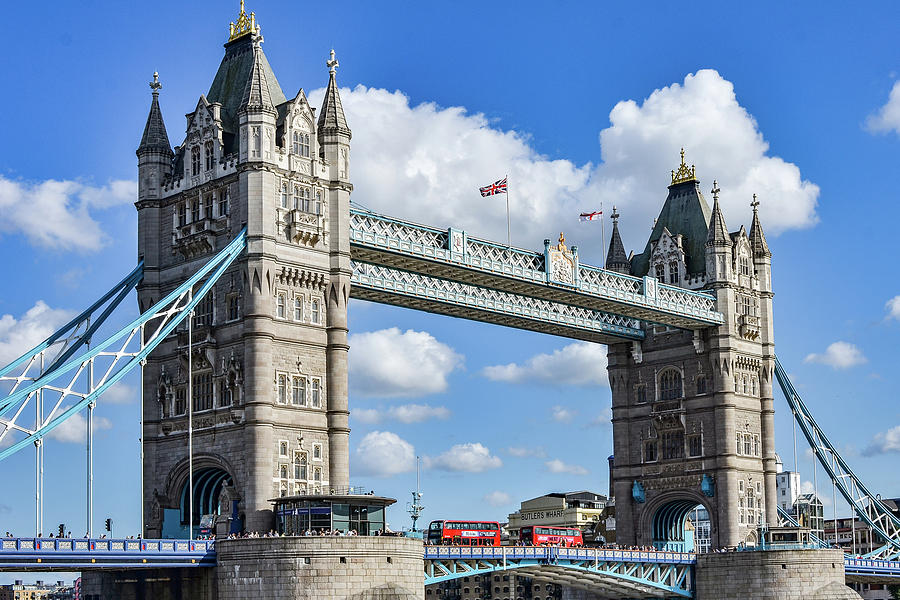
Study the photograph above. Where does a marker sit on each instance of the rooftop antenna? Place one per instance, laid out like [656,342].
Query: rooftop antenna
[415,507]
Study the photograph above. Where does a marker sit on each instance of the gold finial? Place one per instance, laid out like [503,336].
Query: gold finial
[683,173]
[333,63]
[245,24]
[562,242]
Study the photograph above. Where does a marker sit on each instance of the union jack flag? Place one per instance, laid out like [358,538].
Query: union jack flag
[498,187]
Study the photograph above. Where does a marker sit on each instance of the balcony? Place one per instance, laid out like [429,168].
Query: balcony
[196,238]
[748,326]
[304,227]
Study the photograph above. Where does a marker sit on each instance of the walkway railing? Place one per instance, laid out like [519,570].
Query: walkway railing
[49,554]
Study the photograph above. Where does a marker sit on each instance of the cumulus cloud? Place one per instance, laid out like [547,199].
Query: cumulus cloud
[526,452]
[558,466]
[416,413]
[580,363]
[60,214]
[383,454]
[467,458]
[884,442]
[839,355]
[808,487]
[17,336]
[119,394]
[498,498]
[74,429]
[887,118]
[562,414]
[389,363]
[366,415]
[893,308]
[425,163]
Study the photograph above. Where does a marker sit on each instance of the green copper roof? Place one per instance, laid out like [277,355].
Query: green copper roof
[687,213]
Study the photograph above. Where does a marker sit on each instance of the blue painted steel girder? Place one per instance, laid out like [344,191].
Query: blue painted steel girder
[453,255]
[422,292]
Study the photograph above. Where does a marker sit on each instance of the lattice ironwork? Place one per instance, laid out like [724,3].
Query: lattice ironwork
[622,573]
[416,285]
[397,235]
[503,258]
[688,301]
[73,381]
[866,504]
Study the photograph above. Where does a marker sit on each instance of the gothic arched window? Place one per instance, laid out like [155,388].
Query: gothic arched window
[673,272]
[670,384]
[195,161]
[660,272]
[744,261]
[284,195]
[209,155]
[701,384]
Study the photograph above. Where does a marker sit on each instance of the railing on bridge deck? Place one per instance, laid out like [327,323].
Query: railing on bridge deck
[633,573]
[451,254]
[63,554]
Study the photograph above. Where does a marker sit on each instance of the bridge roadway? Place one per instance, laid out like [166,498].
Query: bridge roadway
[445,271]
[619,573]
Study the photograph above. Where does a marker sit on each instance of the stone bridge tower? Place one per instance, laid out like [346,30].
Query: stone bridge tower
[267,356]
[693,413]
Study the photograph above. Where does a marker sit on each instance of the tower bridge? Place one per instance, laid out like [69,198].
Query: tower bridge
[249,250]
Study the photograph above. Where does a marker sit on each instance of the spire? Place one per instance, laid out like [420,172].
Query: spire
[757,237]
[616,258]
[718,232]
[331,118]
[256,90]
[155,137]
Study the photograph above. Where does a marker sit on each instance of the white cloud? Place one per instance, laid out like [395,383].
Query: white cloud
[498,498]
[18,336]
[884,442]
[526,452]
[604,419]
[562,414]
[409,160]
[893,308]
[468,458]
[839,355]
[808,487]
[581,363]
[119,394]
[60,214]
[383,454]
[366,415]
[390,363]
[558,466]
[416,413]
[74,429]
[888,116]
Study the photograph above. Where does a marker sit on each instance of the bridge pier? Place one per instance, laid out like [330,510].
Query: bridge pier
[772,574]
[187,583]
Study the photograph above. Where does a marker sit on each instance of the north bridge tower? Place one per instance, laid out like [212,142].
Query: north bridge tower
[265,369]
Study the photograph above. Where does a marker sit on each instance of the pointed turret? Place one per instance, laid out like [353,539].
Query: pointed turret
[155,138]
[257,96]
[331,117]
[616,258]
[757,237]
[718,232]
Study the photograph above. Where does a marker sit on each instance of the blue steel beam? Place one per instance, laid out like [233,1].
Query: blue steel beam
[60,554]
[171,311]
[452,255]
[867,505]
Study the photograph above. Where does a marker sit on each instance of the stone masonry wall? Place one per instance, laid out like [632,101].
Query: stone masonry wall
[150,584]
[782,575]
[295,568]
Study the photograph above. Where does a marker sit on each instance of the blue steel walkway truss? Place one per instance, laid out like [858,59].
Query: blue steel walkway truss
[44,554]
[610,573]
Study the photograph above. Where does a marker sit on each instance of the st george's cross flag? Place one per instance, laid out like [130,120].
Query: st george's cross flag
[590,216]
[498,187]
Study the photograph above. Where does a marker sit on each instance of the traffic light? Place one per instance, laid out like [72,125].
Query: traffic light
[109,525]
[62,530]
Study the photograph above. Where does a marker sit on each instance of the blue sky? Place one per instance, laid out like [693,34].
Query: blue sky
[582,104]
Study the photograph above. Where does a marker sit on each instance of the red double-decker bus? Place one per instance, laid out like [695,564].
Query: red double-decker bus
[551,536]
[464,533]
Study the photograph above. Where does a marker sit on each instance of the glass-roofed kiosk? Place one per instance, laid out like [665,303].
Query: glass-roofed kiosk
[354,510]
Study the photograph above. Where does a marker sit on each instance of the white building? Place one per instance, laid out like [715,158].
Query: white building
[788,489]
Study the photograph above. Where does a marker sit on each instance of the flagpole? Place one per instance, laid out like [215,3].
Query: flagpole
[602,238]
[508,242]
